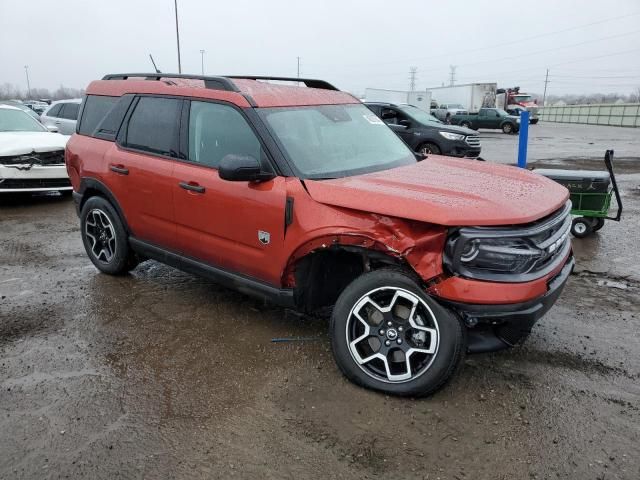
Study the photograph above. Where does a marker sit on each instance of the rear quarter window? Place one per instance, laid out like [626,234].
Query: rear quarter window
[94,111]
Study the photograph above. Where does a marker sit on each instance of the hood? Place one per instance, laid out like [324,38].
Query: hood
[20,143]
[455,129]
[447,191]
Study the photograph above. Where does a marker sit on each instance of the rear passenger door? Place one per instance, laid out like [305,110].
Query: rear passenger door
[139,168]
[236,226]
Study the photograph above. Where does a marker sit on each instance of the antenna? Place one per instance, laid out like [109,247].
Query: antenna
[154,64]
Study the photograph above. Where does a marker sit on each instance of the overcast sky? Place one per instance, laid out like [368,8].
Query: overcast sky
[589,45]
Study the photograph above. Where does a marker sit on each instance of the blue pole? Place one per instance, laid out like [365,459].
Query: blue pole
[524,138]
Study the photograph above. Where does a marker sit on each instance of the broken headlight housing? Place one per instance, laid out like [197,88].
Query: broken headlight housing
[510,254]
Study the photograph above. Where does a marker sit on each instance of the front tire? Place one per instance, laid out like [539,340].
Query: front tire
[429,149]
[104,238]
[581,227]
[388,335]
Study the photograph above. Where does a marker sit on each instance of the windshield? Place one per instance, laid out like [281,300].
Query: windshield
[501,112]
[522,98]
[332,141]
[418,115]
[18,121]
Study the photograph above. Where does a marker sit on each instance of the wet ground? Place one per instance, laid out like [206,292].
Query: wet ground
[161,374]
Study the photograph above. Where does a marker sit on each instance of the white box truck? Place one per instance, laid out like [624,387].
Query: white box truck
[420,99]
[470,97]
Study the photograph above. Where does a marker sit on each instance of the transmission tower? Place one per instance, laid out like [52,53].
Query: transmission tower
[452,74]
[412,78]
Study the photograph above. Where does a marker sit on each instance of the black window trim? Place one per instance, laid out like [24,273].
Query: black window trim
[268,163]
[124,128]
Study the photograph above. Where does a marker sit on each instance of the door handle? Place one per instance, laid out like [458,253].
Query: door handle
[58,122]
[119,169]
[192,186]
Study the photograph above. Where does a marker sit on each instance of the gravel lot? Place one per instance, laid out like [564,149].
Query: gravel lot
[161,374]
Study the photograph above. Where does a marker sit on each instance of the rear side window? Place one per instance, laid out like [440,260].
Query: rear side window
[153,125]
[69,111]
[217,130]
[55,110]
[95,109]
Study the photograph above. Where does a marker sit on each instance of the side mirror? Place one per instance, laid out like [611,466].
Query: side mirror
[242,168]
[52,128]
[405,123]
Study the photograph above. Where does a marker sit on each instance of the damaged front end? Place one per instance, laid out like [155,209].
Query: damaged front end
[35,171]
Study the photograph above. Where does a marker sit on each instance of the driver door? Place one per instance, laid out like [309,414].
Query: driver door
[393,118]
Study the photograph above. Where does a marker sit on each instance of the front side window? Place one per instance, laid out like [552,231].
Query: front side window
[153,125]
[69,111]
[331,141]
[15,120]
[217,130]
[54,111]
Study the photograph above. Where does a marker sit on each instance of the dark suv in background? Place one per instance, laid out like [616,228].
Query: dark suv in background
[424,133]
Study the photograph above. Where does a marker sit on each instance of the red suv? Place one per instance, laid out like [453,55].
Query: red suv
[300,195]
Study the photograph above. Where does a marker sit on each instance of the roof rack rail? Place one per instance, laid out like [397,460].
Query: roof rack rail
[215,83]
[309,82]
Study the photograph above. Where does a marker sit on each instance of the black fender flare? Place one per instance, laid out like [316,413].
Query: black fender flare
[93,184]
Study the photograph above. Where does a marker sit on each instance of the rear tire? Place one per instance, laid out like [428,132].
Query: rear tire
[507,128]
[597,223]
[104,238]
[534,121]
[388,335]
[581,227]
[429,149]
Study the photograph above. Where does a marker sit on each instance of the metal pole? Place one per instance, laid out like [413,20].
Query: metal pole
[175,2]
[546,81]
[202,60]
[524,138]
[26,70]
[298,75]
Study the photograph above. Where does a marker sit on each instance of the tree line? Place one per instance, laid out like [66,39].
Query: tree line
[9,91]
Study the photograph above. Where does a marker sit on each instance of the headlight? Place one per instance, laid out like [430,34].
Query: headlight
[451,136]
[509,254]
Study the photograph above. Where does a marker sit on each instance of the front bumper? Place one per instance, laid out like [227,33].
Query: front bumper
[38,178]
[496,327]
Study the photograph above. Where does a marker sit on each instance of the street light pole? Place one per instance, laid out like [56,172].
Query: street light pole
[202,60]
[175,3]
[26,70]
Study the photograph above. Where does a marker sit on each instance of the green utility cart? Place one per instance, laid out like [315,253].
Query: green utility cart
[591,193]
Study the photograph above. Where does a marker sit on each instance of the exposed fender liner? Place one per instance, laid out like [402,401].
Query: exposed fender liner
[92,183]
[247,285]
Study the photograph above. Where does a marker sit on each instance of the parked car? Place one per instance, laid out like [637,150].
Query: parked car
[426,134]
[31,157]
[22,107]
[448,108]
[62,114]
[36,106]
[494,118]
[305,198]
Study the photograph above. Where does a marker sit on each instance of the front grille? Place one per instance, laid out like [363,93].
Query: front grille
[9,183]
[473,140]
[55,157]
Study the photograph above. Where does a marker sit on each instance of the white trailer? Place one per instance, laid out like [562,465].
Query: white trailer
[420,99]
[472,96]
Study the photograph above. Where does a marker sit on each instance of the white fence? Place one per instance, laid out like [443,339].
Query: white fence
[618,115]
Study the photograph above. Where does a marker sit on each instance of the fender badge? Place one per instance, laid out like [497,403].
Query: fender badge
[264,237]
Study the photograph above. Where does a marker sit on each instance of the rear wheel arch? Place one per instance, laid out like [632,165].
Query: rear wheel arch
[91,187]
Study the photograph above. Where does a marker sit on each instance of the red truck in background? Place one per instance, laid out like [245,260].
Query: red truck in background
[513,101]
